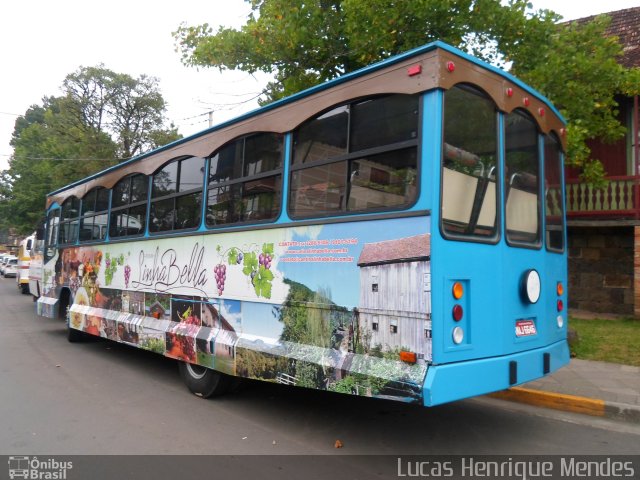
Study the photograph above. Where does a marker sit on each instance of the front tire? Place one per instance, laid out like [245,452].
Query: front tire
[75,336]
[202,381]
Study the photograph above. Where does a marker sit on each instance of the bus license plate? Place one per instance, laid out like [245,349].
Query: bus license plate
[525,328]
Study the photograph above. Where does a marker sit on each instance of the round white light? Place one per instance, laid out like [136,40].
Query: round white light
[458,335]
[560,321]
[531,286]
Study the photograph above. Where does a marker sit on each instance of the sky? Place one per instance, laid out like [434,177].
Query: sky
[42,41]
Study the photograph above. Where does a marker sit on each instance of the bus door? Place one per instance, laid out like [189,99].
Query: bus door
[533,260]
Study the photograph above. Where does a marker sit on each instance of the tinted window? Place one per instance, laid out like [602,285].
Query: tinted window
[165,181]
[129,213]
[68,229]
[245,180]
[357,157]
[325,136]
[179,184]
[262,153]
[191,174]
[227,163]
[384,121]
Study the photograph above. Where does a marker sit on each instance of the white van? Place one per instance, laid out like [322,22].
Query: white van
[24,260]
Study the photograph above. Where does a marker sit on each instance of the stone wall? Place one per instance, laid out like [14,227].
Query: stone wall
[601,267]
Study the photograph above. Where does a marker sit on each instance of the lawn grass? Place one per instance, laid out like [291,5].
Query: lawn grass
[616,341]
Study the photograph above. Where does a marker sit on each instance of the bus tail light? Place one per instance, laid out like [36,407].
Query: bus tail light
[559,289]
[457,312]
[560,305]
[408,357]
[458,335]
[457,290]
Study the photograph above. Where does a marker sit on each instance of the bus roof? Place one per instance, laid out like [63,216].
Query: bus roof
[436,65]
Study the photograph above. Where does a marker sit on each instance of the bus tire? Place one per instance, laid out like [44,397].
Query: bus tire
[24,288]
[75,336]
[203,382]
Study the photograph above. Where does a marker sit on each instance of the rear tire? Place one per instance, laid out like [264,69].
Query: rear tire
[202,381]
[24,288]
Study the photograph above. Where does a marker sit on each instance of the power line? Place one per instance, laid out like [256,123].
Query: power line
[12,114]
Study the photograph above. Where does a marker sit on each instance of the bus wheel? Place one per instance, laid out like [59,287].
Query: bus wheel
[75,336]
[24,288]
[202,381]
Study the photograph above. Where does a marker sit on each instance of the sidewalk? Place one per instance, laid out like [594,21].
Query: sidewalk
[594,388]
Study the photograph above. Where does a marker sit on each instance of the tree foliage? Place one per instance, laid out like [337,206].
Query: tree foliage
[304,43]
[101,118]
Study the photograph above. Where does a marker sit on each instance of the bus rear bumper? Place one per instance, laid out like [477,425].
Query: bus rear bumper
[455,381]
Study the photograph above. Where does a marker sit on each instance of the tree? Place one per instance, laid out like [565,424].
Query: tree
[101,118]
[304,43]
[130,109]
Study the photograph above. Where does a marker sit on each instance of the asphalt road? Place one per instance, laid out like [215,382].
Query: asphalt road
[102,398]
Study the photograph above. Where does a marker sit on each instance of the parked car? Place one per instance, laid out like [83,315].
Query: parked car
[11,268]
[5,261]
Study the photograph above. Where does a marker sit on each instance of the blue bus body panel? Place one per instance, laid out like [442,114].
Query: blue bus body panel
[445,383]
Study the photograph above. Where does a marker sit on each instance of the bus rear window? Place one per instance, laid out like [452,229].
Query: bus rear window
[469,159]
[553,194]
[522,205]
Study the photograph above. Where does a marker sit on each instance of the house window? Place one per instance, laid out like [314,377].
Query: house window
[374,325]
[393,326]
[374,287]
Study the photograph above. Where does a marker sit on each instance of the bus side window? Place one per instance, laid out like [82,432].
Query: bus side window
[176,196]
[128,208]
[68,228]
[51,234]
[245,180]
[360,157]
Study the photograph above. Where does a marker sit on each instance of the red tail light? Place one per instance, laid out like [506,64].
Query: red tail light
[457,313]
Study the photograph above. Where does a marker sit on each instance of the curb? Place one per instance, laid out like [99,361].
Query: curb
[571,403]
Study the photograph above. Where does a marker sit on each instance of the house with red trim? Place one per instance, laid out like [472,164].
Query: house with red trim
[604,225]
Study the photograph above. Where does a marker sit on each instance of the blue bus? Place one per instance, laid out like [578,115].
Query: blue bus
[397,232]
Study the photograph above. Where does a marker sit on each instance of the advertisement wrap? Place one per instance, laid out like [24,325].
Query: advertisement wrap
[327,307]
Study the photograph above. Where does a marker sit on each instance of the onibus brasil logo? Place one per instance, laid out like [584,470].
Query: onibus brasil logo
[33,468]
